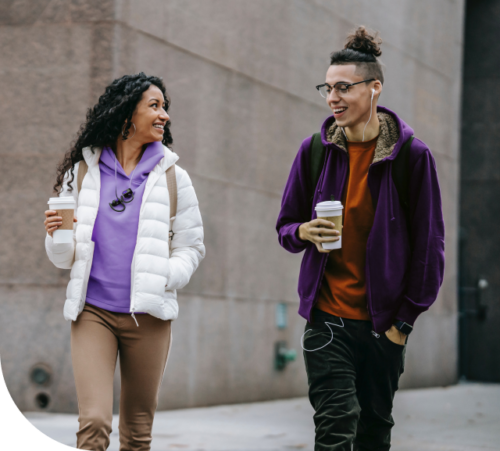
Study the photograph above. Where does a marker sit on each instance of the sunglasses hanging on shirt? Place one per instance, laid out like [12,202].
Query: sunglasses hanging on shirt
[127,196]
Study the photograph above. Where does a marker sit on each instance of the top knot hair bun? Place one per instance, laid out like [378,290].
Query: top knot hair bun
[361,49]
[365,42]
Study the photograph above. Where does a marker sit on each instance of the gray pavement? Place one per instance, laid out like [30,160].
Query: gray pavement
[465,417]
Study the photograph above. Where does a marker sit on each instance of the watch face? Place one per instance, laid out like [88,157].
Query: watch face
[405,328]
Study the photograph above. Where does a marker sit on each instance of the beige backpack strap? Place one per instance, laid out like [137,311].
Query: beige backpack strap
[82,170]
[172,193]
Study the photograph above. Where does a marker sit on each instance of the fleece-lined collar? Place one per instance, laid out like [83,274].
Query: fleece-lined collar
[387,138]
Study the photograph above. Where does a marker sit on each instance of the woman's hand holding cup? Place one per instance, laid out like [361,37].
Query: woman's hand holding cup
[52,221]
[319,231]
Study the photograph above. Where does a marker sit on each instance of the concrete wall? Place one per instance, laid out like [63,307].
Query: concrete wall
[241,76]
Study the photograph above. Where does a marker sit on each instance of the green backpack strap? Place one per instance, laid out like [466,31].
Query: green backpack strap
[317,151]
[401,177]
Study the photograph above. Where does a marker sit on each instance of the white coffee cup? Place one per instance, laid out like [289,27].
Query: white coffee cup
[65,207]
[331,211]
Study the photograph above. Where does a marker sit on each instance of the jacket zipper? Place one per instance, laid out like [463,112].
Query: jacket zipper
[132,274]
[88,268]
[132,284]
[325,256]
[367,264]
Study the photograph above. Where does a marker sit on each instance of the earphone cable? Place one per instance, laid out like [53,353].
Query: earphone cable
[371,111]
[116,182]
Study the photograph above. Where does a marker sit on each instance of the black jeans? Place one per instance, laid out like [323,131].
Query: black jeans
[352,381]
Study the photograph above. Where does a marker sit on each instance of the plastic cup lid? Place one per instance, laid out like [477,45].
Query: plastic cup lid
[61,200]
[329,205]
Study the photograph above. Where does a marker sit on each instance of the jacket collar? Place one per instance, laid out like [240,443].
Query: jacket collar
[93,154]
[393,133]
[169,159]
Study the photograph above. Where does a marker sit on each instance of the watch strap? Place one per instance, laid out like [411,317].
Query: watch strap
[403,327]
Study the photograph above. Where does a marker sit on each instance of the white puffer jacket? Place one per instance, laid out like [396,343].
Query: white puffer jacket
[156,274]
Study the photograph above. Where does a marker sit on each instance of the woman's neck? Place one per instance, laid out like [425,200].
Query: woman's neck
[128,153]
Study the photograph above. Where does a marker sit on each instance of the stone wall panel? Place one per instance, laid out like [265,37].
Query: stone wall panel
[241,77]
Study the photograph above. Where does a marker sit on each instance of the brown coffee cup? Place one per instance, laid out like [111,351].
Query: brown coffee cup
[65,207]
[331,211]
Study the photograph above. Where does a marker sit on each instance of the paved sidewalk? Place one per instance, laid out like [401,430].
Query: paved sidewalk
[459,418]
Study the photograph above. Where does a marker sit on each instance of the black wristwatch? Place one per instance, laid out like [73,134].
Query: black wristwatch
[403,327]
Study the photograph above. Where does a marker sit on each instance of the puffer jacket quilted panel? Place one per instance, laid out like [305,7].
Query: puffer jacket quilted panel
[158,268]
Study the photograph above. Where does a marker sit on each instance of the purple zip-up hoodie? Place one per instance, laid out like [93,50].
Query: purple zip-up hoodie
[403,271]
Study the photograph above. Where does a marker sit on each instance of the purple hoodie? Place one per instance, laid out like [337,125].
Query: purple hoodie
[403,273]
[115,234]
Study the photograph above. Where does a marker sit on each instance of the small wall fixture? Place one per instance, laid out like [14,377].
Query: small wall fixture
[282,355]
[42,400]
[41,374]
[281,316]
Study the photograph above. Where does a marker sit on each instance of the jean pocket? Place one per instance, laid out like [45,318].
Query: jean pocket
[395,346]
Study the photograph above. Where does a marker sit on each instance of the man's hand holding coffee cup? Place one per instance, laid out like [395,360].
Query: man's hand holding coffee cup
[52,221]
[319,231]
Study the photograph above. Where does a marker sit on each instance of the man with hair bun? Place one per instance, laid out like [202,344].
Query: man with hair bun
[361,301]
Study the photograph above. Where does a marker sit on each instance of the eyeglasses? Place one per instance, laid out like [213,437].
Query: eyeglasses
[340,88]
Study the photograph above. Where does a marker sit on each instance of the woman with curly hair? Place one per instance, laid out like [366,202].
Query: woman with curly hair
[130,253]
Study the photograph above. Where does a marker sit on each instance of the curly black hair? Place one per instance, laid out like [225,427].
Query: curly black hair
[105,120]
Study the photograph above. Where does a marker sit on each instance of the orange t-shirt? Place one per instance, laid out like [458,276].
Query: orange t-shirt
[343,290]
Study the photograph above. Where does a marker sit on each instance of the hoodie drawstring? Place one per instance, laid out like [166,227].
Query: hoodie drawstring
[135,319]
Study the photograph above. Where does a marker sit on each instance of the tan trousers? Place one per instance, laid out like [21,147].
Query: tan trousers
[97,336]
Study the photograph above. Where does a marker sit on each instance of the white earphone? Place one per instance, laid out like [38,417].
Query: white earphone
[371,106]
[366,125]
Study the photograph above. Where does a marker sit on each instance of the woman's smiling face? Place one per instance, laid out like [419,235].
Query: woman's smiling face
[149,117]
